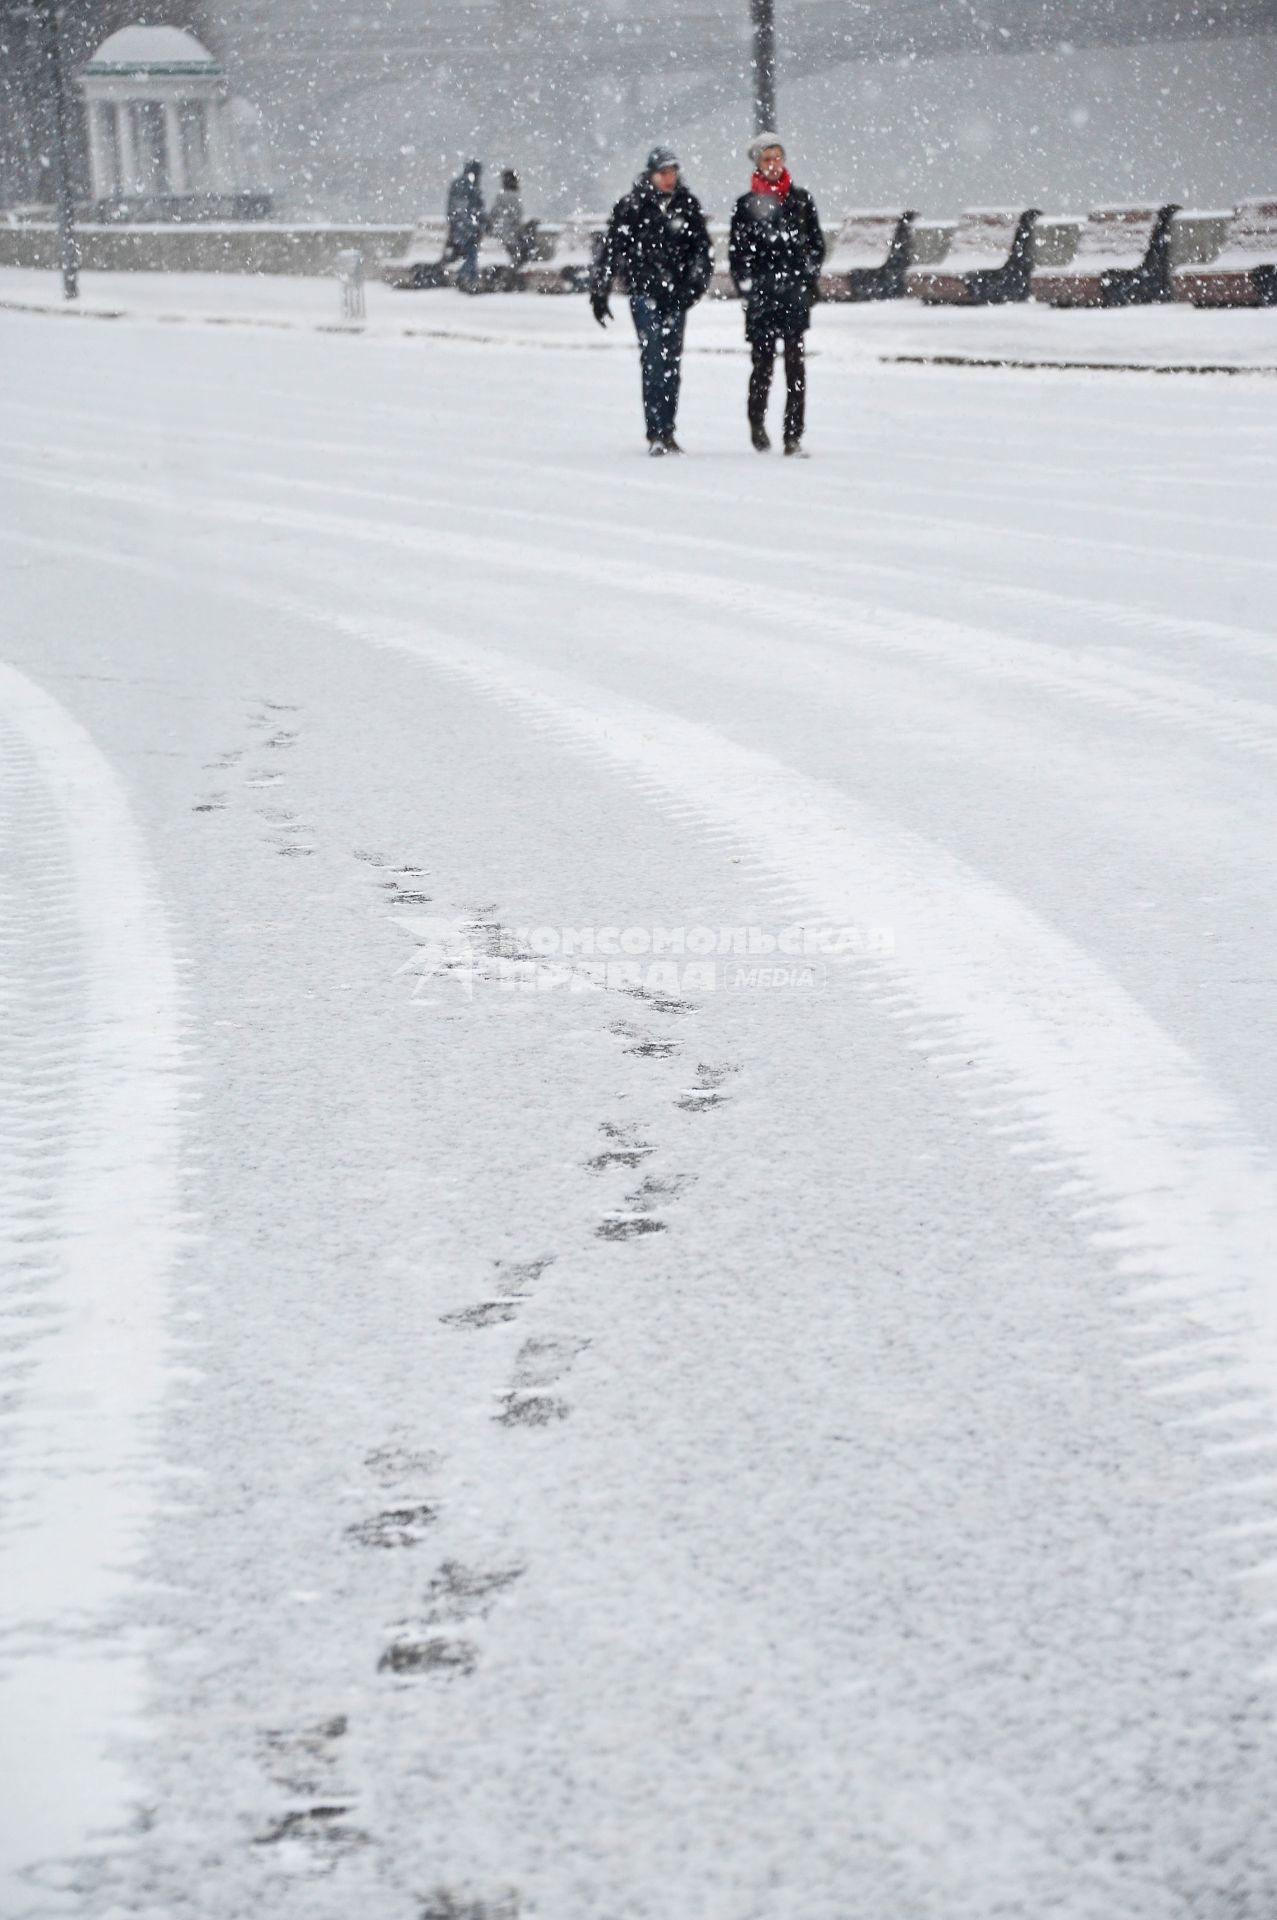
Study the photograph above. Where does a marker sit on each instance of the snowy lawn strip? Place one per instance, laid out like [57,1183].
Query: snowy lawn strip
[81,1448]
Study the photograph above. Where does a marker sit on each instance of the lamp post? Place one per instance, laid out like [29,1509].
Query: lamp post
[68,250]
[763,15]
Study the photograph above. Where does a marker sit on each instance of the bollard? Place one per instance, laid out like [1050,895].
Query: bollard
[349,268]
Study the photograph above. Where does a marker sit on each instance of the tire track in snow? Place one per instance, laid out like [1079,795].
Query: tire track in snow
[41,967]
[1014,654]
[118,424]
[97,1159]
[1170,1189]
[1239,724]
[1125,616]
[1169,1186]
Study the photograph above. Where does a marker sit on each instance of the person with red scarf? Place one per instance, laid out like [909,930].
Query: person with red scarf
[776,250]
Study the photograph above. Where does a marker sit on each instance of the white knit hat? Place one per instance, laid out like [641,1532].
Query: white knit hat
[760,143]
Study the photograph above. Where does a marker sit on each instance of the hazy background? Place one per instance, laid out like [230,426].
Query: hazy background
[370,108]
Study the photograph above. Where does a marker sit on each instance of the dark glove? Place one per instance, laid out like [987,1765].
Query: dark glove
[601,308]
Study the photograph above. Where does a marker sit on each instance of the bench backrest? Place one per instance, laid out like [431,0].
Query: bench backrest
[1055,237]
[1196,235]
[1253,233]
[1117,236]
[870,239]
[931,240]
[990,237]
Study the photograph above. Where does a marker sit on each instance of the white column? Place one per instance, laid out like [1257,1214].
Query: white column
[222,159]
[177,178]
[130,185]
[100,168]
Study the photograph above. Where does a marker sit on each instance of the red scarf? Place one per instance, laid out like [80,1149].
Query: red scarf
[779,187]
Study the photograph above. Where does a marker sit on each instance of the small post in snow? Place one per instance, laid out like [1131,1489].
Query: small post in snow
[763,14]
[349,267]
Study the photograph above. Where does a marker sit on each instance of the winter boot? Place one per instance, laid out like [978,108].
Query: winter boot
[657,449]
[671,444]
[758,438]
[796,450]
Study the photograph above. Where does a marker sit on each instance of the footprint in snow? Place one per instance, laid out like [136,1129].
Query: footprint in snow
[453,1658]
[543,1360]
[708,1089]
[645,1044]
[530,1410]
[517,1278]
[628,1226]
[402,896]
[299,1759]
[458,1592]
[652,1190]
[626,1150]
[447,1903]
[396,1527]
[393,1465]
[659,1002]
[519,1275]
[485,1313]
[323,1829]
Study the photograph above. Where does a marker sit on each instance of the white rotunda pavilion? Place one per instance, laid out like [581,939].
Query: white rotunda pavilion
[163,130]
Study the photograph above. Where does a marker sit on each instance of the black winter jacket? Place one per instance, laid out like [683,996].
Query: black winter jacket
[658,244]
[465,211]
[776,250]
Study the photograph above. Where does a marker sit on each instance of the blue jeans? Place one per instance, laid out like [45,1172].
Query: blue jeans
[468,278]
[660,338]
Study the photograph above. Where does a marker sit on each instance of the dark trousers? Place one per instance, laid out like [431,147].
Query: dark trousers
[760,383]
[660,338]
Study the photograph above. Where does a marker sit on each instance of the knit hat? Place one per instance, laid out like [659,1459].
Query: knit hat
[660,158]
[760,143]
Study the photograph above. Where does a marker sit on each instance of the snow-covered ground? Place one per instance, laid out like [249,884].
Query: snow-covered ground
[1170,336]
[637,1133]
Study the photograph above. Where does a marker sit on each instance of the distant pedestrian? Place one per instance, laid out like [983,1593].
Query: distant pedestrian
[776,249]
[658,244]
[465,224]
[505,217]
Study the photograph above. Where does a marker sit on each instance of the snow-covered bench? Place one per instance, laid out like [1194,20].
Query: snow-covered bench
[567,270]
[1055,238]
[1243,273]
[868,259]
[988,260]
[421,264]
[1122,257]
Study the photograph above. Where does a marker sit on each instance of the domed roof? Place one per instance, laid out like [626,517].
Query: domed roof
[167,49]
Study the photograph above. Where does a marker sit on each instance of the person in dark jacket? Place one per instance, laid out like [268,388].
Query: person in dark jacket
[776,249]
[465,224]
[657,242]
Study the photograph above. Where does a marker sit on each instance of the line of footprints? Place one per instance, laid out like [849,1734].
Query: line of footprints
[434,1644]
[272,734]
